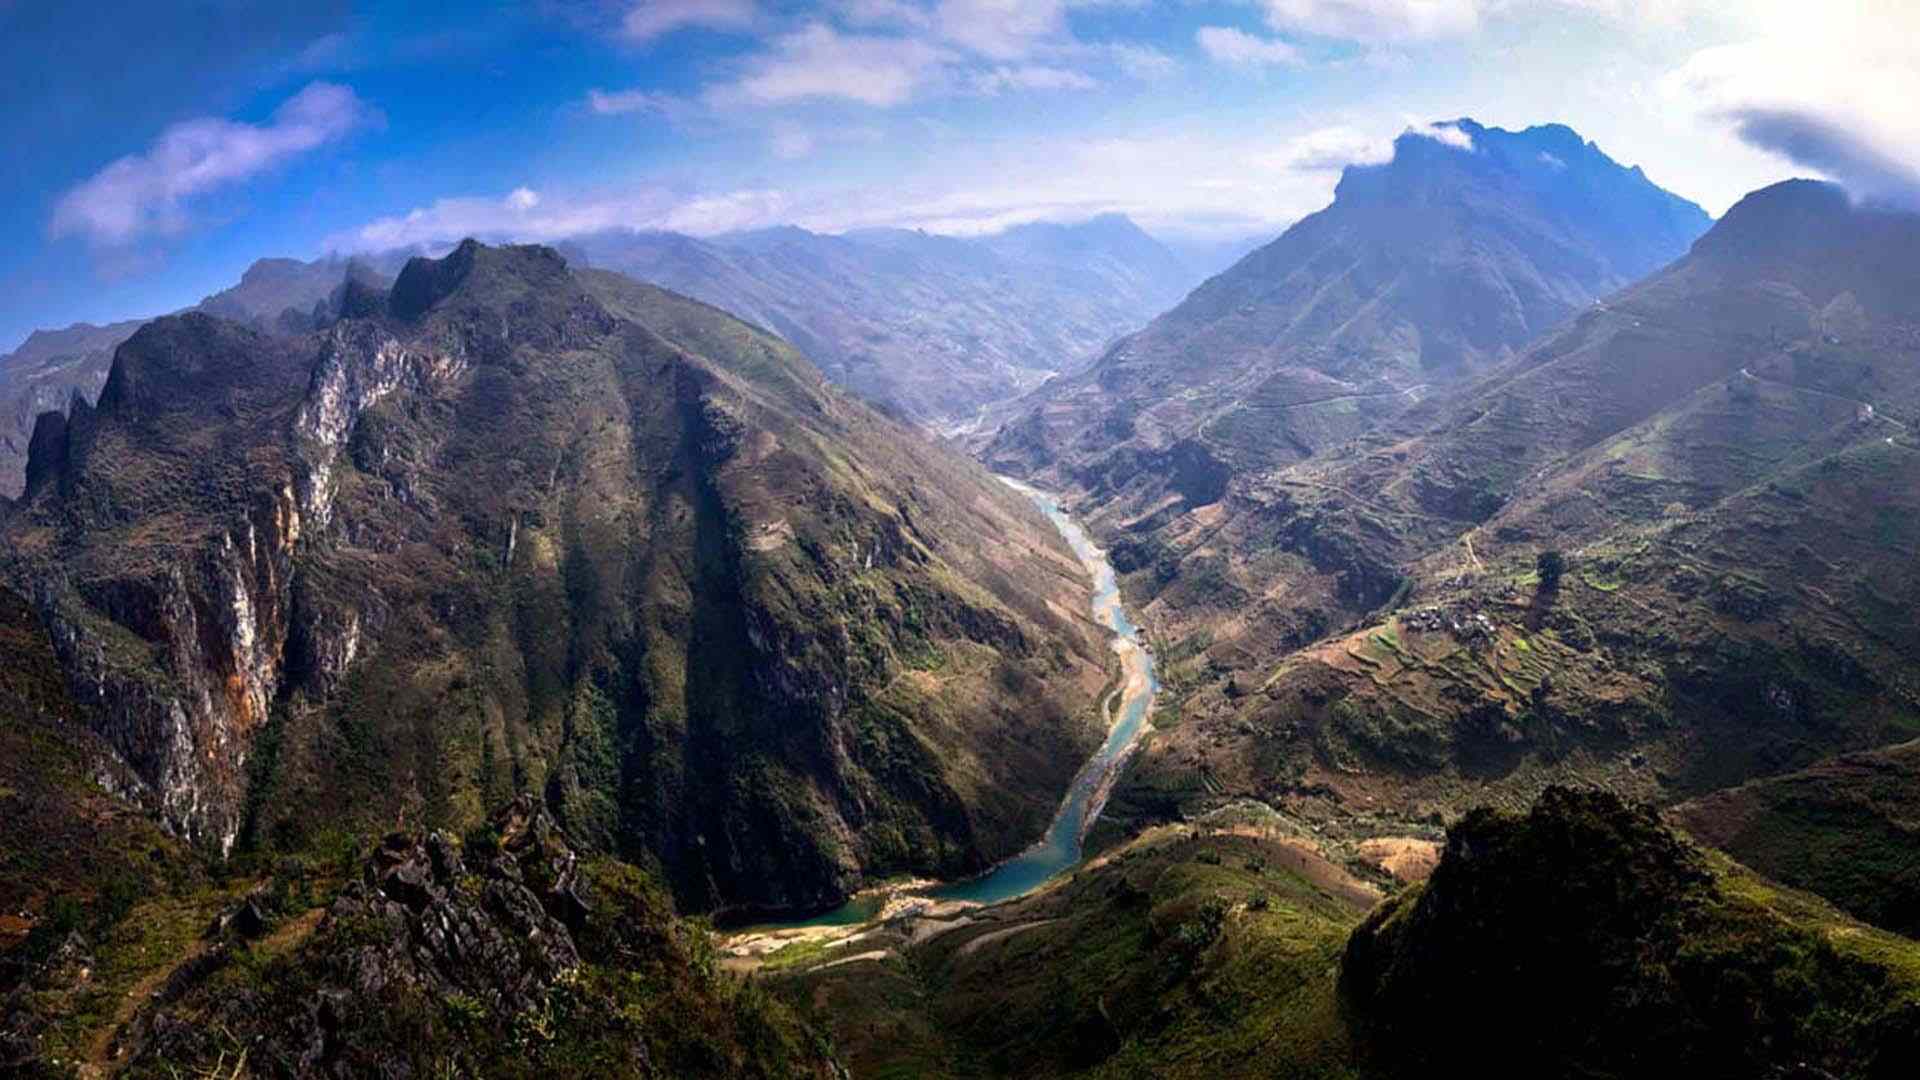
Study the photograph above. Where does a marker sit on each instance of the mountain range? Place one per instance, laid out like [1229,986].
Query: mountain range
[1721,461]
[507,528]
[1425,270]
[935,327]
[397,660]
[932,327]
[54,367]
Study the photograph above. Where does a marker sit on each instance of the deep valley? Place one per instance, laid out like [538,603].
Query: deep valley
[819,581]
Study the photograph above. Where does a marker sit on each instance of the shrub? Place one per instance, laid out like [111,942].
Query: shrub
[1552,566]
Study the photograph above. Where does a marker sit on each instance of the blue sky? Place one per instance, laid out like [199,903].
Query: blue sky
[155,149]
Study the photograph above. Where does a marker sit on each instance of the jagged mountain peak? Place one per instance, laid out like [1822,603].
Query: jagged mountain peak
[180,362]
[484,274]
[1547,168]
[1426,268]
[646,502]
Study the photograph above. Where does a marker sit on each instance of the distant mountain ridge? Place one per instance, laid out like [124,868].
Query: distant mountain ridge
[932,326]
[1426,269]
[54,367]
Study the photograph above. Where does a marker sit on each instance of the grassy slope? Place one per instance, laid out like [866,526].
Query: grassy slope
[1669,959]
[1220,950]
[1843,828]
[1197,952]
[1743,545]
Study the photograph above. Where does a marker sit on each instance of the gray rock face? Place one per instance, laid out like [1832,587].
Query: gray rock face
[489,930]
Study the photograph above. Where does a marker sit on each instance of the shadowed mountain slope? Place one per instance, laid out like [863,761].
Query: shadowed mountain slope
[53,368]
[1724,458]
[526,531]
[1846,828]
[1228,946]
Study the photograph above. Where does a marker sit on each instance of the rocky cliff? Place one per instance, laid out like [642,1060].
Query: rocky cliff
[513,530]
[52,369]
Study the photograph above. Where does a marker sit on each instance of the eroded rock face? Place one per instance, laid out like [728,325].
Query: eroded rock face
[489,926]
[525,535]
[360,364]
[179,648]
[503,955]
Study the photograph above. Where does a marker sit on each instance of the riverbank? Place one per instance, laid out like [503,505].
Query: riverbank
[1060,848]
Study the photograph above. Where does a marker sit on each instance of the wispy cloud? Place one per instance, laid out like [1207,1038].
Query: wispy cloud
[1328,149]
[650,19]
[891,13]
[622,102]
[147,193]
[1137,61]
[1230,46]
[1005,78]
[1000,29]
[818,62]
[1829,90]
[525,215]
[1225,183]
[1376,20]
[1444,134]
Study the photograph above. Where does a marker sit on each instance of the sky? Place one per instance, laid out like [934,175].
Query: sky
[155,149]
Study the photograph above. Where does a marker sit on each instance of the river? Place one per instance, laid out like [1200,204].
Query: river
[1060,848]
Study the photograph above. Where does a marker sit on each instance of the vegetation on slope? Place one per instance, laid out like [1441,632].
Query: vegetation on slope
[504,957]
[1189,952]
[1846,828]
[515,530]
[1584,939]
[1722,457]
[1580,938]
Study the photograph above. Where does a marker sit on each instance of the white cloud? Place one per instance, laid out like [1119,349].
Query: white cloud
[1375,20]
[621,102]
[818,62]
[1327,149]
[1229,46]
[146,192]
[895,13]
[1444,134]
[1829,89]
[328,52]
[524,216]
[1000,29]
[650,19]
[790,143]
[1138,61]
[1004,79]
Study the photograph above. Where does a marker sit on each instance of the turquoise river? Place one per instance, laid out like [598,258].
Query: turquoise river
[1059,849]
